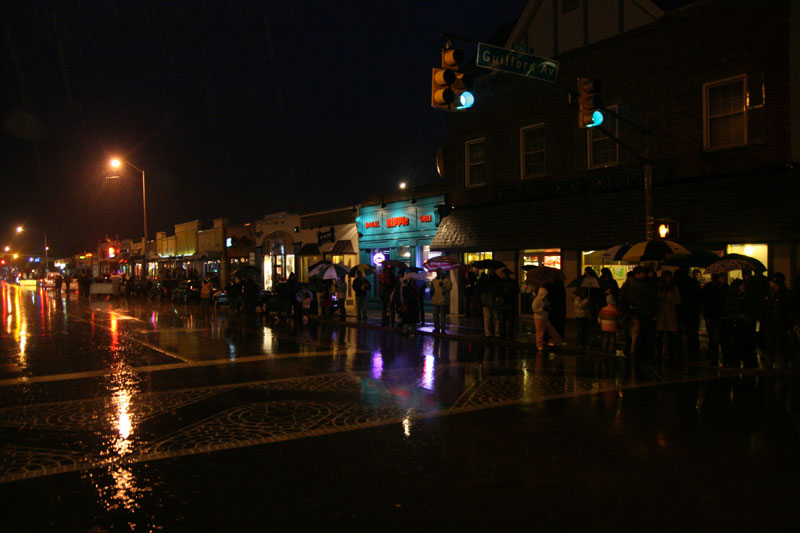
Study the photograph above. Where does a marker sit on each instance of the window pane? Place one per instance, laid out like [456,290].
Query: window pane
[726,107]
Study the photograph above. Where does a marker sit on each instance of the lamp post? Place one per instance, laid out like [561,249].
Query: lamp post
[116,163]
[20,229]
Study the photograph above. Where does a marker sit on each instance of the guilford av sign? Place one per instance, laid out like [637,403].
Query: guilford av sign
[505,60]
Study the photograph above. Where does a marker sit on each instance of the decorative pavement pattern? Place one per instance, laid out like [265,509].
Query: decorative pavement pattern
[127,426]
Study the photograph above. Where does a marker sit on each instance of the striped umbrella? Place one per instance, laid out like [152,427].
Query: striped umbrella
[329,271]
[444,262]
[657,250]
[615,253]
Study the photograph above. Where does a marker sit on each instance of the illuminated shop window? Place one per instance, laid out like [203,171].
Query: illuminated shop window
[471,257]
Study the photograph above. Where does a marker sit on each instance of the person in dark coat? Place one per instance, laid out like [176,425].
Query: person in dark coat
[250,292]
[387,283]
[409,305]
[506,303]
[596,294]
[639,300]
[689,311]
[740,327]
[714,294]
[487,292]
[610,283]
[557,296]
[781,306]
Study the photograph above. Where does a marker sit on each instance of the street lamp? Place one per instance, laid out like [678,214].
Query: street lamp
[20,229]
[116,163]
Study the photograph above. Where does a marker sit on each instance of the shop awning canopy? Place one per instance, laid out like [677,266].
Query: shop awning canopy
[343,247]
[309,249]
[754,207]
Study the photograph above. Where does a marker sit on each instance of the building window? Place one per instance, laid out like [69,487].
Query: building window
[602,150]
[476,162]
[531,141]
[724,107]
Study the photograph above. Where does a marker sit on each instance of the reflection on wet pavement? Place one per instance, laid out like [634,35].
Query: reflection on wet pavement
[101,387]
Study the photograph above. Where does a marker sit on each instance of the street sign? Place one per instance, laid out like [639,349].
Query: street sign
[520,63]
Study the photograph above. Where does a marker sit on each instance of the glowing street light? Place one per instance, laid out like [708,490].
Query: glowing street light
[117,163]
[20,229]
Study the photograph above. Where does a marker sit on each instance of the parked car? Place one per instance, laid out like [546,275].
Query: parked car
[187,291]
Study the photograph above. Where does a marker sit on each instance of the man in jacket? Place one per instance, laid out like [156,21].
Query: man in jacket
[640,303]
[361,286]
[487,291]
[440,298]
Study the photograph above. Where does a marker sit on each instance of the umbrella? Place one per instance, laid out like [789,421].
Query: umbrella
[542,274]
[247,272]
[366,269]
[330,271]
[590,282]
[445,262]
[729,262]
[615,253]
[318,264]
[420,278]
[657,250]
[487,263]
[697,258]
[394,263]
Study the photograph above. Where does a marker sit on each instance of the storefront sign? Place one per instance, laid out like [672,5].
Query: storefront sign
[325,236]
[372,224]
[396,221]
[426,218]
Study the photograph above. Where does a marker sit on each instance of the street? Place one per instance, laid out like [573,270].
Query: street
[139,415]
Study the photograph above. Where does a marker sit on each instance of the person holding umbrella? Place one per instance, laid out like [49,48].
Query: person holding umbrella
[440,297]
[341,297]
[361,286]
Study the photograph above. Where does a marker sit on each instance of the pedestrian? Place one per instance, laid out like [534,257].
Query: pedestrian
[781,306]
[608,282]
[713,297]
[341,298]
[505,303]
[326,298]
[541,320]
[291,290]
[757,288]
[408,305]
[557,296]
[639,301]
[689,311]
[739,327]
[471,300]
[667,318]
[440,299]
[249,292]
[206,291]
[421,288]
[487,291]
[583,313]
[609,319]
[596,294]
[387,287]
[361,287]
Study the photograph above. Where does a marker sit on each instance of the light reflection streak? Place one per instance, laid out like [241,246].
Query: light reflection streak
[377,364]
[268,340]
[407,426]
[114,333]
[427,373]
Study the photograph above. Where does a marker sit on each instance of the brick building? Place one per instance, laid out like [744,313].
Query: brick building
[716,81]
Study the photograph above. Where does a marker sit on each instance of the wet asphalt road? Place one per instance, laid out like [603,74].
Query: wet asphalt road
[132,415]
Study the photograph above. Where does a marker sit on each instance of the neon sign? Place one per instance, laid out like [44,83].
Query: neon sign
[372,224]
[426,218]
[378,258]
[396,221]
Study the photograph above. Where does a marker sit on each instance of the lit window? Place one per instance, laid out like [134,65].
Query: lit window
[724,113]
[603,151]
[532,151]
[476,163]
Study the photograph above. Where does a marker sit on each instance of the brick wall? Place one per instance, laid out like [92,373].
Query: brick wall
[656,73]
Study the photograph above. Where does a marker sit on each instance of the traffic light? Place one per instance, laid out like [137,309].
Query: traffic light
[589,102]
[667,228]
[449,87]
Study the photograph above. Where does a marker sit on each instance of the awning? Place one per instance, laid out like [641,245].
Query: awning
[309,249]
[343,247]
[211,256]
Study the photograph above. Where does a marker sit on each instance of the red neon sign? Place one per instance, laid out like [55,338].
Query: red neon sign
[425,218]
[397,221]
[372,224]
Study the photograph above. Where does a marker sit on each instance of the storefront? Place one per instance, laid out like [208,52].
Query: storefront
[399,231]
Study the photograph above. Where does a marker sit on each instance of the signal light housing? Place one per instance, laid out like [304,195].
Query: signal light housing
[449,87]
[590,102]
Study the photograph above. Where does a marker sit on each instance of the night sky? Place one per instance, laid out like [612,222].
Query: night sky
[234,109]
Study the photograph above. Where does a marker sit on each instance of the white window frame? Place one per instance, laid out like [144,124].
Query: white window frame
[523,174]
[590,143]
[467,165]
[742,78]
